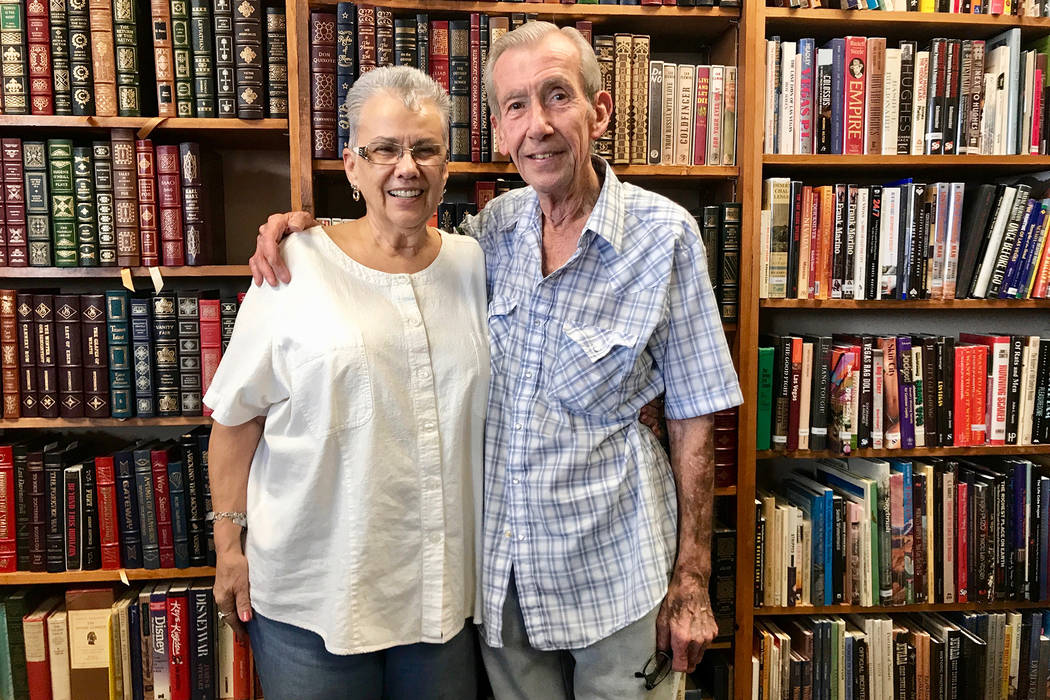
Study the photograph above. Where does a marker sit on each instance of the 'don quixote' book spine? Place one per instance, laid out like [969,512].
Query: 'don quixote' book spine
[248,59]
[322,83]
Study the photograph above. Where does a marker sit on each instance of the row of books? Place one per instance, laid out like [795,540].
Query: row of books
[111,354]
[158,640]
[904,240]
[856,96]
[1022,8]
[209,58]
[871,532]
[850,391]
[72,506]
[950,656]
[118,202]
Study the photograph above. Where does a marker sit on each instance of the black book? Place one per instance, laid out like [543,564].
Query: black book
[91,556]
[225,83]
[84,203]
[146,495]
[189,454]
[203,642]
[228,317]
[185,105]
[73,517]
[794,234]
[930,407]
[972,242]
[276,63]
[105,213]
[59,21]
[1041,417]
[907,97]
[179,514]
[919,233]
[166,353]
[423,42]
[405,41]
[203,434]
[345,65]
[459,89]
[838,557]
[189,353]
[838,244]
[871,274]
[202,52]
[729,253]
[128,510]
[248,55]
[56,460]
[486,127]
[142,356]
[81,83]
[824,93]
[20,454]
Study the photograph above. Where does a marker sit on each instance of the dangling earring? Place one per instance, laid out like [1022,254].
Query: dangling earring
[356,193]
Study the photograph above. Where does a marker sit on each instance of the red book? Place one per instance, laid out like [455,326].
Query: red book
[438,62]
[366,39]
[169,206]
[179,651]
[475,87]
[725,439]
[996,380]
[484,192]
[796,393]
[961,408]
[38,664]
[147,190]
[7,510]
[41,96]
[853,94]
[585,28]
[9,369]
[322,83]
[108,523]
[703,87]
[211,343]
[15,204]
[961,542]
[978,395]
[162,504]
[3,231]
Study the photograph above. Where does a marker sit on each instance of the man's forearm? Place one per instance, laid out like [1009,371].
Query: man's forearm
[230,453]
[693,465]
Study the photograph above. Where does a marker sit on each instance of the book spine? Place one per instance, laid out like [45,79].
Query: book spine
[728,279]
[276,63]
[38,53]
[806,97]
[84,203]
[345,67]
[715,114]
[63,218]
[103,60]
[12,396]
[179,652]
[189,352]
[8,526]
[94,355]
[158,643]
[225,69]
[459,89]
[125,197]
[13,58]
[322,85]
[701,113]
[640,99]
[91,558]
[211,344]
[126,57]
[102,163]
[165,354]
[27,356]
[195,511]
[69,360]
[622,75]
[683,114]
[385,36]
[146,497]
[935,103]
[907,97]
[128,511]
[953,76]
[121,376]
[142,356]
[248,57]
[1010,236]
[169,206]
[47,376]
[604,49]
[194,221]
[654,136]
[202,643]
[59,35]
[179,516]
[182,68]
[54,489]
[73,518]
[366,41]
[202,55]
[474,58]
[853,94]
[486,120]
[37,203]
[82,85]
[109,528]
[162,502]
[147,203]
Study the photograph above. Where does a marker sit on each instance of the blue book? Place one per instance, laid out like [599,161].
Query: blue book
[345,67]
[179,526]
[121,379]
[812,507]
[142,357]
[904,468]
[135,637]
[849,661]
[128,509]
[1028,261]
[1008,287]
[838,97]
[906,392]
[147,508]
[822,523]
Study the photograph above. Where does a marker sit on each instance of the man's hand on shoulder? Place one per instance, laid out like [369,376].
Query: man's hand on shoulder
[267,262]
[686,623]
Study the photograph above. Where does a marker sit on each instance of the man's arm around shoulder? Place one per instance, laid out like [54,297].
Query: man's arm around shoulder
[267,262]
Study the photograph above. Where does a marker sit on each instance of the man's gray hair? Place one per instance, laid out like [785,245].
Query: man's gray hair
[532,33]
[412,86]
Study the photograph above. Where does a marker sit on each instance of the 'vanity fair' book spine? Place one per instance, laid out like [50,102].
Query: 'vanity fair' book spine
[70,362]
[102,162]
[163,57]
[46,371]
[228,313]
[345,67]
[622,106]
[84,201]
[108,513]
[211,344]
[73,517]
[202,51]
[15,202]
[169,206]
[248,59]
[159,458]
[95,355]
[189,352]
[196,523]
[63,217]
[9,350]
[125,197]
[60,78]
[36,487]
[126,52]
[366,39]
[118,337]
[147,192]
[146,498]
[475,87]
[13,50]
[38,203]
[225,83]
[183,57]
[142,355]
[179,518]
[27,377]
[38,35]
[103,63]
[91,553]
[323,84]
[128,510]
[604,48]
[81,83]
[166,353]
[202,641]
[276,63]
[194,220]
[640,97]
[459,89]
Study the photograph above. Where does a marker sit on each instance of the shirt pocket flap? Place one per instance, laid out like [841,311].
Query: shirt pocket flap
[501,306]
[597,342]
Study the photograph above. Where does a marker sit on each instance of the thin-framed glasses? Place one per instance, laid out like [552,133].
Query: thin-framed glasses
[655,669]
[388,153]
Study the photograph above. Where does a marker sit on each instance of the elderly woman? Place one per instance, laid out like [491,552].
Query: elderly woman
[346,453]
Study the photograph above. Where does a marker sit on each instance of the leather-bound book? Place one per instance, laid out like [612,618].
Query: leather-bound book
[95,355]
[194,219]
[211,344]
[126,54]
[179,517]
[166,353]
[640,98]
[73,516]
[84,203]
[108,516]
[81,79]
[14,202]
[17,605]
[225,84]
[20,460]
[38,666]
[189,344]
[38,203]
[127,510]
[486,126]
[405,46]
[203,433]
[89,612]
[384,37]
[459,88]
[38,36]
[276,63]
[180,50]
[27,379]
[140,315]
[59,33]
[36,492]
[322,84]
[91,553]
[118,340]
[345,67]
[202,50]
[605,49]
[438,56]
[103,60]
[159,458]
[46,370]
[179,652]
[8,539]
[147,507]
[147,194]
[366,39]
[475,87]
[228,314]
[169,206]
[56,459]
[13,54]
[63,216]
[423,42]
[69,346]
[12,396]
[125,197]
[102,163]
[163,57]
[248,59]
[196,514]
[623,49]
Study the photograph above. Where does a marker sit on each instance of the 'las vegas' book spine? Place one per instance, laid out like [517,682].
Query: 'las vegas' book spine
[248,59]
[38,203]
[125,197]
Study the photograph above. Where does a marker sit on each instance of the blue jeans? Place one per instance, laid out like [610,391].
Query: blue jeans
[293,664]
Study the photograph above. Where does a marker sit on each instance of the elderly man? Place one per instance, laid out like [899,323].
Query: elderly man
[599,302]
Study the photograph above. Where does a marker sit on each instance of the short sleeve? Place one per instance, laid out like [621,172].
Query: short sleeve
[696,363]
[249,381]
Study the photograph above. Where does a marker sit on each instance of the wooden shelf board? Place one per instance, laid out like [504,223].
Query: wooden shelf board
[28,578]
[59,423]
[725,490]
[918,452]
[720,644]
[831,163]
[566,11]
[916,304]
[895,609]
[910,24]
[67,122]
[642,171]
[114,272]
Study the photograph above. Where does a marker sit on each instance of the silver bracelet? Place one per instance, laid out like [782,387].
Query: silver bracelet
[239,518]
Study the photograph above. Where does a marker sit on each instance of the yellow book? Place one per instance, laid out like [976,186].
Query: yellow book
[927,6]
[116,671]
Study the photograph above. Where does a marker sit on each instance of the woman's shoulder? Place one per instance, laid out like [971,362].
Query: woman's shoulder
[463,247]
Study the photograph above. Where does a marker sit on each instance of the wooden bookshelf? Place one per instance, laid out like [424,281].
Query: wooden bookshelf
[29,578]
[66,423]
[980,451]
[256,134]
[912,25]
[897,609]
[910,304]
[692,172]
[989,165]
[725,491]
[42,273]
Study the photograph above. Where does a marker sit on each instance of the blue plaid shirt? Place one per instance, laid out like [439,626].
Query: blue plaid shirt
[579,496]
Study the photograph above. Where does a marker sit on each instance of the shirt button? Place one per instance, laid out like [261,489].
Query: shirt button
[521,537]
[423,373]
[517,481]
[428,426]
[507,533]
[417,321]
[528,375]
[435,537]
[517,426]
[536,323]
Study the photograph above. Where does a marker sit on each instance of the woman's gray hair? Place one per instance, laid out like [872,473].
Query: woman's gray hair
[532,33]
[412,86]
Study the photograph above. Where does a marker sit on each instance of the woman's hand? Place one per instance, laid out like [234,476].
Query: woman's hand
[232,598]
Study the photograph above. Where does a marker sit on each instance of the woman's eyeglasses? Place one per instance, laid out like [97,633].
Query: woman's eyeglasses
[387,153]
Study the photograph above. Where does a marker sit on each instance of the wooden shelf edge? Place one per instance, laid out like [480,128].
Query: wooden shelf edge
[114,272]
[928,161]
[896,609]
[58,423]
[720,644]
[989,450]
[568,10]
[916,304]
[941,19]
[68,122]
[329,165]
[28,578]
[725,490]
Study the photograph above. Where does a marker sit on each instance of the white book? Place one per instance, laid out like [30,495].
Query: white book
[685,101]
[889,226]
[951,248]
[918,108]
[124,629]
[772,90]
[940,240]
[730,110]
[58,652]
[891,95]
[876,398]
[806,565]
[786,133]
[1027,106]
[1014,620]
[1029,376]
[667,139]
[714,116]
[995,106]
[860,247]
[805,396]
[1009,44]
[756,684]
[763,246]
[988,110]
[995,239]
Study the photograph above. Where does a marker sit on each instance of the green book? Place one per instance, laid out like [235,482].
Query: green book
[183,55]
[84,206]
[63,216]
[38,203]
[7,683]
[19,604]
[765,398]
